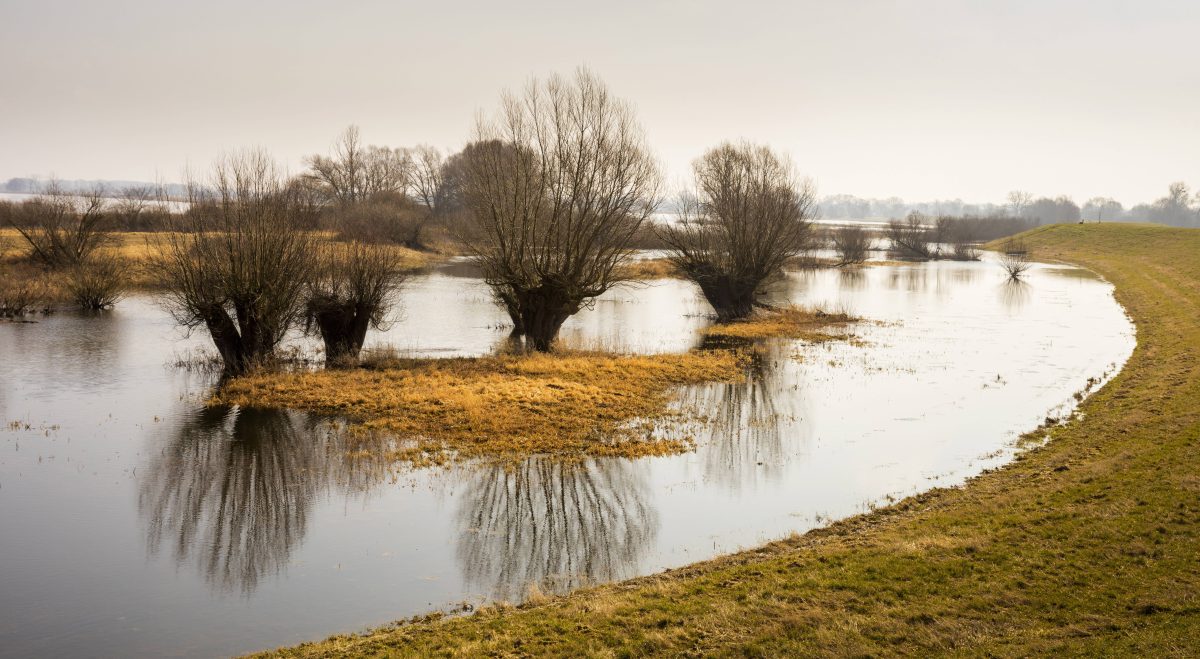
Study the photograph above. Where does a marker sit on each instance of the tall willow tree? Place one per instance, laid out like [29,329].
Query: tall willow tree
[556,185]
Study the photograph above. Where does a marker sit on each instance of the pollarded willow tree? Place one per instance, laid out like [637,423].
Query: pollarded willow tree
[750,213]
[555,187]
[350,290]
[237,262]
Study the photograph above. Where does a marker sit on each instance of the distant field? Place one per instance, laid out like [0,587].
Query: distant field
[1087,545]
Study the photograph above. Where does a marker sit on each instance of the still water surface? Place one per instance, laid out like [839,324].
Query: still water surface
[134,522]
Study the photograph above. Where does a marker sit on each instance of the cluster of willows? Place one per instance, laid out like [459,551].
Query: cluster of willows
[550,196]
[65,235]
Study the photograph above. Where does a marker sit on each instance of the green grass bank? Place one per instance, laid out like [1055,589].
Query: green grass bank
[1087,545]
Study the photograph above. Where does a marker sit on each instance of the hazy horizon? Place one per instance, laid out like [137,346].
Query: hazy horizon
[942,101]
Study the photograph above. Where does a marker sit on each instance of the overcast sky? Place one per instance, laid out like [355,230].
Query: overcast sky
[919,99]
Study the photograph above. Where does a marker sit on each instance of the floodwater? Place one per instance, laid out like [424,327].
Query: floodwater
[134,522]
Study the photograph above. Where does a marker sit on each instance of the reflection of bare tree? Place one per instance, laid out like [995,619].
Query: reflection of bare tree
[1014,295]
[740,434]
[852,279]
[557,525]
[233,490]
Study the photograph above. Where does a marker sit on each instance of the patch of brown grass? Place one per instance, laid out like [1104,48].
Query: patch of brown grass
[134,250]
[650,269]
[783,323]
[508,406]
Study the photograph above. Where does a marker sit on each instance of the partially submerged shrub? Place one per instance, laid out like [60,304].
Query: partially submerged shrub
[97,282]
[1015,259]
[912,237]
[20,296]
[748,216]
[851,242]
[350,291]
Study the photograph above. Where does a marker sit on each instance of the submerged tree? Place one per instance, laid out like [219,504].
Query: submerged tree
[555,187]
[851,242]
[749,215]
[913,237]
[350,291]
[1015,259]
[236,263]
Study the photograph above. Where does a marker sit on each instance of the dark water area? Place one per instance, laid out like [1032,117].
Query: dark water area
[136,522]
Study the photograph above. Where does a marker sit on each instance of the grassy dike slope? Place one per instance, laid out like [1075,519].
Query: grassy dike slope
[1089,545]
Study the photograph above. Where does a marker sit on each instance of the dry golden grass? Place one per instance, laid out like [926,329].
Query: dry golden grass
[510,406]
[136,250]
[783,322]
[650,269]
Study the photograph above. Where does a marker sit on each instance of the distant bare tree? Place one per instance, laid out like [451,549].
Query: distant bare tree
[851,242]
[350,291]
[1019,201]
[429,189]
[555,186]
[1102,208]
[61,229]
[750,214]
[1174,209]
[236,263]
[352,172]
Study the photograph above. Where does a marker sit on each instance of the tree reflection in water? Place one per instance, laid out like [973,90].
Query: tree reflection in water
[233,490]
[1014,295]
[740,430]
[554,525]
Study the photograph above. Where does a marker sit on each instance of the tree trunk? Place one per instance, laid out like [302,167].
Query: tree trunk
[731,300]
[543,312]
[227,340]
[343,329]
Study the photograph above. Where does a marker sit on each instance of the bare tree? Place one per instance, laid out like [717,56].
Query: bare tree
[428,185]
[852,242]
[350,291]
[750,214]
[1102,208]
[353,172]
[1015,259]
[236,262]
[1019,201]
[556,187]
[61,228]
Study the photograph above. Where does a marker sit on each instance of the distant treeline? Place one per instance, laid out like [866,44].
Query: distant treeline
[1177,208]
[111,188]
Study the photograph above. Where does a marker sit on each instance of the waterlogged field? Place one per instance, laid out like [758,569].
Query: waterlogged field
[136,521]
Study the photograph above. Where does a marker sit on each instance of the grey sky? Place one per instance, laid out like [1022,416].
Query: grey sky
[915,99]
